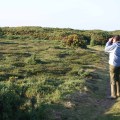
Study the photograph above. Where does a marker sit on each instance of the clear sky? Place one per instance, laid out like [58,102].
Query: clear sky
[76,14]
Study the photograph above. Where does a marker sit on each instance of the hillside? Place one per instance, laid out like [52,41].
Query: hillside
[46,80]
[93,37]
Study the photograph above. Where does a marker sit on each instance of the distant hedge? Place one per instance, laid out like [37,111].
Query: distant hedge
[93,37]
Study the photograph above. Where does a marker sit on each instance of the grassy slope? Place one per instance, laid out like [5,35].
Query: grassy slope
[66,83]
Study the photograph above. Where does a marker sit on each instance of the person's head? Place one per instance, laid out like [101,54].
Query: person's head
[116,38]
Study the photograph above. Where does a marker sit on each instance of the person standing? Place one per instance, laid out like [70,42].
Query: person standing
[113,48]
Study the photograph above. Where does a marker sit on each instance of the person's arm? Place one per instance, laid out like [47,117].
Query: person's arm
[109,46]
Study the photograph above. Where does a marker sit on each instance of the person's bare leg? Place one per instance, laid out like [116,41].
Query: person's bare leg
[117,88]
[113,90]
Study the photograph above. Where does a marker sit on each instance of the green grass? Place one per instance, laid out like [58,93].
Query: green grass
[51,81]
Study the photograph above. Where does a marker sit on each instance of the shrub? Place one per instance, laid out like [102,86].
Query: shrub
[1,33]
[75,40]
[10,101]
[99,38]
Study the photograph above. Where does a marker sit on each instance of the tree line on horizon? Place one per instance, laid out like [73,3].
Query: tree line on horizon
[70,37]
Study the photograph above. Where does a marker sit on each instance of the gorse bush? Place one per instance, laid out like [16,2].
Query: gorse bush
[99,38]
[75,40]
[10,101]
[14,104]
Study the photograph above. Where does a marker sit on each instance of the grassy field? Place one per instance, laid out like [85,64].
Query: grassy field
[45,80]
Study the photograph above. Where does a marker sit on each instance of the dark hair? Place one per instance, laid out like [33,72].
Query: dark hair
[117,37]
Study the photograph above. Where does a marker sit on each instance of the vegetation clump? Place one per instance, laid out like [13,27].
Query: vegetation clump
[75,40]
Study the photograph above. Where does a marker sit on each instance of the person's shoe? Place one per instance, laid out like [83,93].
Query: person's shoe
[111,97]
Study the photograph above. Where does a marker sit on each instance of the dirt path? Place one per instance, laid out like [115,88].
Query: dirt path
[107,109]
[93,103]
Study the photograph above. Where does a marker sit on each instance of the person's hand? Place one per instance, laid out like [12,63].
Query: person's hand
[110,39]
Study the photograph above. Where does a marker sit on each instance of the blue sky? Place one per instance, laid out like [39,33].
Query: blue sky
[76,14]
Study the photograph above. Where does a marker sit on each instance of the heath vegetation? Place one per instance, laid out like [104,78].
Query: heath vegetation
[53,74]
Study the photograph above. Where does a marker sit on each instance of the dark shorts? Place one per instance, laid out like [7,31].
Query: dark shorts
[114,74]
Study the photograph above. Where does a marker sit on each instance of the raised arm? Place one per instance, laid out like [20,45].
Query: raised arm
[109,46]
